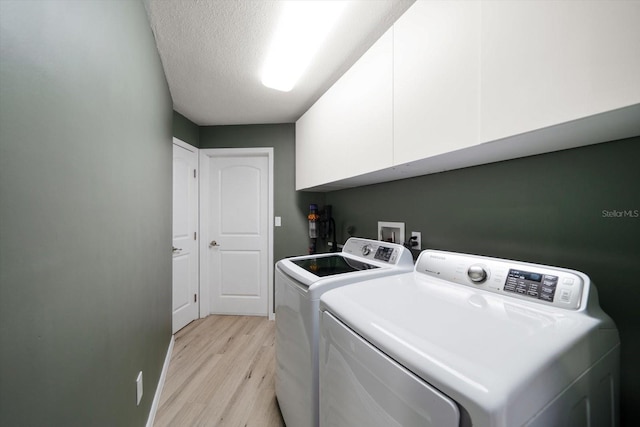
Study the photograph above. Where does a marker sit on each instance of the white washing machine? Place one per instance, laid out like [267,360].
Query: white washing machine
[300,281]
[469,341]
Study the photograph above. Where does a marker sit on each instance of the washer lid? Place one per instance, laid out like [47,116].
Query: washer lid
[493,354]
[330,265]
[360,259]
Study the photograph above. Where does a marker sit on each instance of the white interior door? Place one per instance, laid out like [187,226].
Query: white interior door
[185,227]
[236,224]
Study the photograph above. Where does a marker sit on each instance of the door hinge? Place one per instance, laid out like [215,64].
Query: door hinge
[195,297]
[195,236]
[194,173]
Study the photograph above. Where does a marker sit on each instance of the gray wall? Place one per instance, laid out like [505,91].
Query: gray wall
[544,209]
[185,130]
[85,213]
[292,206]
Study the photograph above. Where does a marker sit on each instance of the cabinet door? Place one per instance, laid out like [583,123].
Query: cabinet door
[348,131]
[436,79]
[550,62]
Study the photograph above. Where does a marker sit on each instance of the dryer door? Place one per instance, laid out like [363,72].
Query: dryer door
[361,386]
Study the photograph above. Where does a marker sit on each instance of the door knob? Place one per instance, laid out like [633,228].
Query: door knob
[213,243]
[174,249]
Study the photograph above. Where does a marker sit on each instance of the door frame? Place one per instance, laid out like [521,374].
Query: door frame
[180,143]
[203,155]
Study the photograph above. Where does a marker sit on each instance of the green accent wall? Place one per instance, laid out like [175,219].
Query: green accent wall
[185,130]
[544,209]
[293,206]
[86,123]
[85,213]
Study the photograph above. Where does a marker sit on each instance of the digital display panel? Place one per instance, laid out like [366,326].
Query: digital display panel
[383,253]
[533,285]
[533,277]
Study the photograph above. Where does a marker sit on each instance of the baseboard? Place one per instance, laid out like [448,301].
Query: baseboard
[163,376]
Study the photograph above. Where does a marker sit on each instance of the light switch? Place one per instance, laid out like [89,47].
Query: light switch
[278,221]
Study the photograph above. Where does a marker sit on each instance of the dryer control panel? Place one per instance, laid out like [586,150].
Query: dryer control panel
[532,282]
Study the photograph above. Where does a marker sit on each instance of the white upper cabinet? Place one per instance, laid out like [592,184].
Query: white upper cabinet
[462,83]
[550,62]
[436,79]
[348,131]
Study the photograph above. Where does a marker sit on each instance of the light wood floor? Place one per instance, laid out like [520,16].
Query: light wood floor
[221,373]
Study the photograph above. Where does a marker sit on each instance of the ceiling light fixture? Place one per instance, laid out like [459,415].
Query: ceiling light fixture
[302,28]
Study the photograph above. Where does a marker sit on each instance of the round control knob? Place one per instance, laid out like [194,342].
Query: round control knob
[477,274]
[366,250]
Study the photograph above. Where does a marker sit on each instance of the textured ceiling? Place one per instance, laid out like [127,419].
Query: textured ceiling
[212,52]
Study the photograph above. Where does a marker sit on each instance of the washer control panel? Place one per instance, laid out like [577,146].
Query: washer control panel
[532,282]
[389,253]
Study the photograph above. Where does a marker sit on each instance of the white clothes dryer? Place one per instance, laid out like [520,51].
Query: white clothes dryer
[467,340]
[299,282]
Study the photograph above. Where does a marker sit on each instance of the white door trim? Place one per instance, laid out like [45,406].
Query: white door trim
[203,155]
[184,145]
[191,148]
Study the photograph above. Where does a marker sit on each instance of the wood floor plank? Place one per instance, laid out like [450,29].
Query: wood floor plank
[222,373]
[248,390]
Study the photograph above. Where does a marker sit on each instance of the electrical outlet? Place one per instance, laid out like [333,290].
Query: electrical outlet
[139,388]
[418,240]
